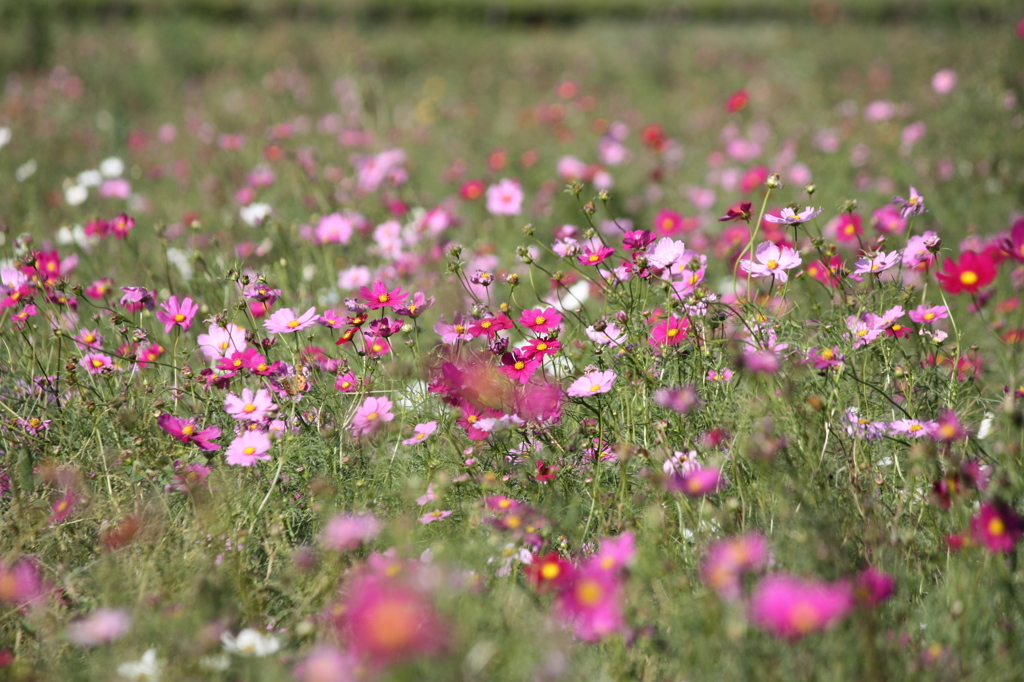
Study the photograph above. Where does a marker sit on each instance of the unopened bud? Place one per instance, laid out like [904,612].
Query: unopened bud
[809,188]
[774,181]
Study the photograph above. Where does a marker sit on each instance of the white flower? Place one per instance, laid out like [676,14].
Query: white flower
[146,668]
[986,425]
[254,214]
[250,642]
[26,170]
[5,136]
[215,663]
[112,167]
[75,195]
[89,178]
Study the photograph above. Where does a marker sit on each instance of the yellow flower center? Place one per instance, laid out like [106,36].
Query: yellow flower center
[672,333]
[827,354]
[370,417]
[519,364]
[293,324]
[542,346]
[550,570]
[179,318]
[188,430]
[594,258]
[249,409]
[928,317]
[485,324]
[595,388]
[249,450]
[589,592]
[804,617]
[968,278]
[460,329]
[772,264]
[539,320]
[383,298]
[97,363]
[996,526]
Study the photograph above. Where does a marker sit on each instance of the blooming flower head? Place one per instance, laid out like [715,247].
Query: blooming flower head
[695,483]
[100,627]
[250,406]
[680,399]
[221,341]
[347,382]
[420,433]
[95,363]
[790,607]
[847,227]
[347,531]
[540,321]
[20,582]
[996,526]
[249,448]
[924,314]
[595,256]
[180,314]
[872,587]
[137,298]
[186,431]
[592,603]
[377,296]
[947,428]
[910,207]
[970,273]
[518,366]
[458,330]
[825,357]
[727,560]
[285,322]
[668,332]
[435,515]
[790,217]
[592,383]
[740,212]
[771,261]
[147,669]
[877,264]
[505,198]
[250,643]
[371,415]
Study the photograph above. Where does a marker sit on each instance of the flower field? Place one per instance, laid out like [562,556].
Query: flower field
[342,351]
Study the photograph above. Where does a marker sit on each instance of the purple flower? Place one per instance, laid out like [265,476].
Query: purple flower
[912,206]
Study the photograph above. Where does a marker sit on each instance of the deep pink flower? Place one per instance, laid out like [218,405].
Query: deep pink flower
[997,526]
[872,587]
[249,448]
[669,331]
[695,483]
[346,383]
[540,321]
[371,415]
[285,322]
[789,607]
[377,296]
[186,431]
[188,481]
[592,603]
[64,506]
[490,326]
[923,314]
[95,363]
[180,314]
[595,256]
[615,552]
[20,583]
[517,367]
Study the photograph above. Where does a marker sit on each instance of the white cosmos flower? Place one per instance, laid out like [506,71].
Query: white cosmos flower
[112,167]
[5,136]
[75,195]
[89,178]
[255,214]
[147,668]
[250,642]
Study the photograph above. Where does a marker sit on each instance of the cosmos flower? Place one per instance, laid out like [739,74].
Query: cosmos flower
[249,448]
[790,608]
[285,322]
[771,261]
[788,216]
[592,383]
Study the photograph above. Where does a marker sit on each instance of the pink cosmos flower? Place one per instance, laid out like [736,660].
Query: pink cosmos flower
[435,515]
[371,415]
[347,382]
[347,531]
[220,341]
[592,603]
[825,358]
[615,552]
[64,506]
[680,399]
[872,587]
[186,431]
[887,220]
[771,262]
[540,321]
[669,331]
[285,322]
[377,296]
[788,216]
[944,81]
[420,433]
[177,314]
[518,367]
[912,206]
[702,481]
[89,338]
[876,264]
[189,479]
[947,428]
[910,427]
[100,627]
[249,448]
[592,383]
[505,198]
[325,663]
[723,375]
[789,607]
[997,526]
[20,583]
[458,330]
[595,256]
[95,363]
[251,406]
[923,314]
[727,560]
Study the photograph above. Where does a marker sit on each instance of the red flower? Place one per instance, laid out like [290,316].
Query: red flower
[737,101]
[974,271]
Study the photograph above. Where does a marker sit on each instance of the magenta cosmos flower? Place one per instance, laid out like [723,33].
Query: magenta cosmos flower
[592,603]
[95,363]
[251,406]
[186,431]
[180,314]
[285,322]
[789,607]
[540,321]
[727,560]
[669,331]
[249,448]
[701,481]
[592,383]
[923,314]
[371,415]
[996,526]
[377,296]
[771,262]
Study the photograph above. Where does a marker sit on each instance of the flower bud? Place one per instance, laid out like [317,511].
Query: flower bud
[774,181]
[810,188]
